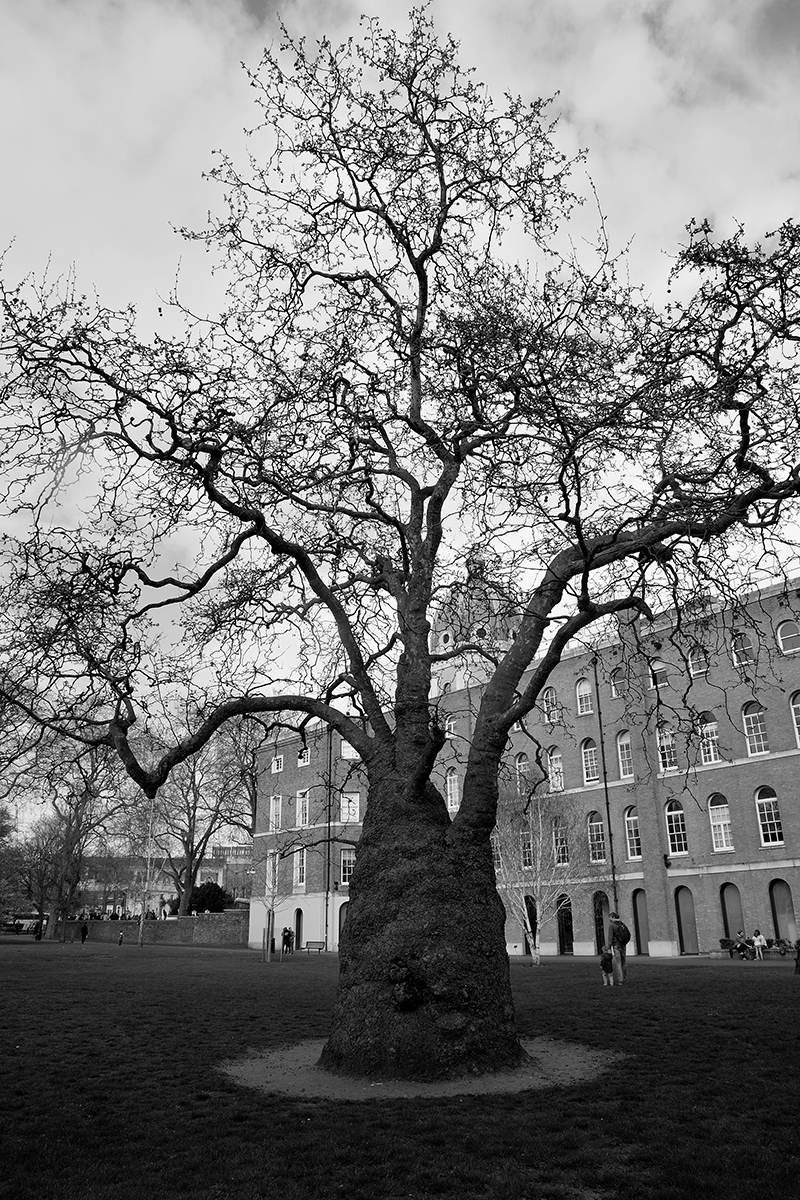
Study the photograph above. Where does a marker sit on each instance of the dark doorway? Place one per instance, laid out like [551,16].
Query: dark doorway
[687,926]
[731,904]
[564,925]
[298,928]
[641,926]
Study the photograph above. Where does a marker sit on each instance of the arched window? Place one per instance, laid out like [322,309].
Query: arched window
[667,753]
[617,683]
[769,817]
[625,755]
[795,705]
[521,773]
[591,766]
[555,769]
[633,838]
[698,661]
[755,729]
[452,790]
[583,694]
[743,648]
[659,674]
[709,738]
[597,838]
[789,637]
[549,705]
[676,828]
[719,814]
[560,843]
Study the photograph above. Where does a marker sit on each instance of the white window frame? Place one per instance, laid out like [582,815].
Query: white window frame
[744,653]
[555,769]
[526,850]
[719,818]
[597,838]
[560,844]
[521,769]
[299,872]
[667,749]
[347,862]
[633,835]
[303,800]
[584,698]
[274,813]
[349,807]
[347,751]
[303,756]
[625,755]
[549,705]
[277,763]
[659,674]
[755,729]
[709,740]
[769,817]
[697,660]
[450,726]
[677,837]
[591,762]
[452,787]
[794,705]
[616,683]
[795,637]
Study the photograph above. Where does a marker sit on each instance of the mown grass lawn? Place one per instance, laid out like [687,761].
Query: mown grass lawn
[108,1087]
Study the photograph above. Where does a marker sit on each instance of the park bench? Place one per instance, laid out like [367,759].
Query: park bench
[318,946]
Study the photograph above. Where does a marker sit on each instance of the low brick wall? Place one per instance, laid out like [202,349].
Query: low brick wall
[207,929]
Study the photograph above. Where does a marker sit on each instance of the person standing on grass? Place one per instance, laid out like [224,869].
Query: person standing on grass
[618,940]
[607,966]
[759,943]
[84,932]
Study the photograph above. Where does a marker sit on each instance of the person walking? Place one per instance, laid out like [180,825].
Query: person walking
[607,966]
[84,932]
[759,944]
[619,937]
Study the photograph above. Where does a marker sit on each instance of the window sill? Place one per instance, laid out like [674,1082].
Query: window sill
[772,845]
[724,850]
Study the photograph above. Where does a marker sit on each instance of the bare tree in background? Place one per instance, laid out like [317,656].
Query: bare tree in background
[385,398]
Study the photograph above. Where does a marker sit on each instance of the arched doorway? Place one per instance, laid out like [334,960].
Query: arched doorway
[783,918]
[731,904]
[533,921]
[298,928]
[342,918]
[600,909]
[641,925]
[687,926]
[564,925]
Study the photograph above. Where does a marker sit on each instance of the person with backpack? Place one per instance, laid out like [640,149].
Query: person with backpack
[618,939]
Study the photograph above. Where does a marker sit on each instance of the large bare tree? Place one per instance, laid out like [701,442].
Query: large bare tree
[271,505]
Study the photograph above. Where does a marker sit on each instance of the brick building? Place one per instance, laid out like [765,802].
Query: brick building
[674,745]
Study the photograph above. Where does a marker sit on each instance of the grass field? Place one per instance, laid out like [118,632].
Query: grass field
[108,1087]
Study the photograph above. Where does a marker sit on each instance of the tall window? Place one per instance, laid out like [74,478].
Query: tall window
[719,814]
[277,764]
[583,694]
[795,703]
[560,844]
[303,808]
[348,861]
[659,674]
[449,726]
[555,769]
[526,850]
[789,637]
[755,729]
[698,661]
[521,773]
[549,704]
[271,881]
[597,838]
[676,828]
[348,808]
[769,817]
[274,813]
[452,790]
[494,842]
[743,649]
[709,739]
[591,766]
[616,683]
[667,753]
[300,869]
[633,837]
[349,751]
[625,755]
[303,757]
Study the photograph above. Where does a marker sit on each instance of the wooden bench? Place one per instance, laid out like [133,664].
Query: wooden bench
[318,946]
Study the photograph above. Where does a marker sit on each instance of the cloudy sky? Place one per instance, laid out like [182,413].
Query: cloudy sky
[111,108]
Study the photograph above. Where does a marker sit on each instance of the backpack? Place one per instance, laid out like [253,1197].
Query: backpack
[623,933]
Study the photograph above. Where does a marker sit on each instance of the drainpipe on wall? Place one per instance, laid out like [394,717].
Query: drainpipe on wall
[328,804]
[601,734]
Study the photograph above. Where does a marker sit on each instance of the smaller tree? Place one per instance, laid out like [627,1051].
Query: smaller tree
[538,830]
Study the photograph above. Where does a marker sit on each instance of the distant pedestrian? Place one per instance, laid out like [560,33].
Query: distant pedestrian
[618,939]
[121,936]
[759,944]
[285,940]
[291,942]
[607,966]
[84,932]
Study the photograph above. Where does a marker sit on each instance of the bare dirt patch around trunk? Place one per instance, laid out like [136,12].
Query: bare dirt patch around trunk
[293,1071]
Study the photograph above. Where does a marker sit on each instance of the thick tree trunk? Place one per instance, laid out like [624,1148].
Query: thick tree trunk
[424,990]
